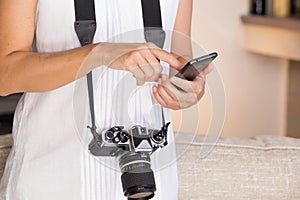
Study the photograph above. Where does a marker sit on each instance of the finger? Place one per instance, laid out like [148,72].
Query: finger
[199,86]
[200,77]
[157,69]
[207,70]
[148,71]
[183,62]
[183,84]
[144,65]
[154,64]
[158,98]
[201,94]
[138,74]
[195,86]
[184,99]
[166,57]
[166,96]
[170,88]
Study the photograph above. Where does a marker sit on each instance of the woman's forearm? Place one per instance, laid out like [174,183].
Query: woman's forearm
[25,71]
[38,72]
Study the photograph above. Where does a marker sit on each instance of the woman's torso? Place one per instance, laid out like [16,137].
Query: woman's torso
[50,156]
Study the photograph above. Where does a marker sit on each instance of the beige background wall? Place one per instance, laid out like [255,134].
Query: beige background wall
[255,85]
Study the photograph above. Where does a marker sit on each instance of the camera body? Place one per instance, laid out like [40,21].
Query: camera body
[138,139]
[133,148]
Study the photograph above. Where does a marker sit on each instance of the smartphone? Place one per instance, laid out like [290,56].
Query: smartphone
[194,67]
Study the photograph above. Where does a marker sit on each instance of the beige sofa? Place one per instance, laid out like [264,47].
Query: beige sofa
[231,168]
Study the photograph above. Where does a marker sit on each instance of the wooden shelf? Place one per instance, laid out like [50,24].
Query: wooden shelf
[272,36]
[279,38]
[285,23]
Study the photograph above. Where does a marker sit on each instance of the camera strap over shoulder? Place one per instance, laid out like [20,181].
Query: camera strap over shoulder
[85,28]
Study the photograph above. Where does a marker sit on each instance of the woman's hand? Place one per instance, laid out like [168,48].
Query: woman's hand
[169,96]
[140,59]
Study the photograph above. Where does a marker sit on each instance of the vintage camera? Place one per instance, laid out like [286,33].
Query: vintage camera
[133,148]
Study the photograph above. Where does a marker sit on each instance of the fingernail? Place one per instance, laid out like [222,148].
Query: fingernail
[159,81]
[154,89]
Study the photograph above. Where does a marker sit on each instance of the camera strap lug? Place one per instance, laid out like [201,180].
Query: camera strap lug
[85,30]
[153,29]
[155,35]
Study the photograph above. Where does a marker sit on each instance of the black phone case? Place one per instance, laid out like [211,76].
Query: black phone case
[194,67]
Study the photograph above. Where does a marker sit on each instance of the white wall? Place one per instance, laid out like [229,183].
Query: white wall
[255,85]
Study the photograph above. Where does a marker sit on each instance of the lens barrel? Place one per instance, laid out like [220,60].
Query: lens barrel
[137,176]
[138,185]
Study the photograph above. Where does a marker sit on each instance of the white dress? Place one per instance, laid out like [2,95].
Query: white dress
[50,158]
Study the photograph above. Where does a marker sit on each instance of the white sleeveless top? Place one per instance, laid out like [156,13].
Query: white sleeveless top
[50,158]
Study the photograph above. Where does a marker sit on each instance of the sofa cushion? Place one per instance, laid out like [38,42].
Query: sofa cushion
[266,167]
[233,168]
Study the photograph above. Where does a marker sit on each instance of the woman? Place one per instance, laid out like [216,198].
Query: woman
[48,161]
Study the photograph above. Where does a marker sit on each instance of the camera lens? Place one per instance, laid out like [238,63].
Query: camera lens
[138,185]
[137,176]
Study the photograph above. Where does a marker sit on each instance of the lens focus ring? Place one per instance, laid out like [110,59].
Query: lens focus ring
[138,185]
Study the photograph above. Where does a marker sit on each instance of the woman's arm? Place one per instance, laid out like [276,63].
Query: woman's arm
[25,71]
[22,70]
[181,39]
[166,93]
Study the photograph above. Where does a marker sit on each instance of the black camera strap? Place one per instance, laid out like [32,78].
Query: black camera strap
[153,29]
[85,28]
